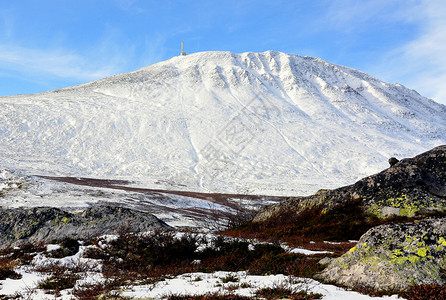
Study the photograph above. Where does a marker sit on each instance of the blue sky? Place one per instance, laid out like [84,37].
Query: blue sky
[45,45]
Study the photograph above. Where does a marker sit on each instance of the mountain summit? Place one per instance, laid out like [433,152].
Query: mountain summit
[267,123]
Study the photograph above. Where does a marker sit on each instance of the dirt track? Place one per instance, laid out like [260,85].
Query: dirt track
[222,199]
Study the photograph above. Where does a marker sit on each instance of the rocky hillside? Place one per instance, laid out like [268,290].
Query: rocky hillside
[47,224]
[412,186]
[390,256]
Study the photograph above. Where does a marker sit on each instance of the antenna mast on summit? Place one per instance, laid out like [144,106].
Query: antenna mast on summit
[182,49]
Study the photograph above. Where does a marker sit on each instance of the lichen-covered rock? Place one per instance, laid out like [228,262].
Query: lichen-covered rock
[393,257]
[411,186]
[49,223]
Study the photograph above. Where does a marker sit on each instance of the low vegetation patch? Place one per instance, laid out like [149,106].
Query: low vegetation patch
[24,253]
[131,257]
[58,283]
[286,293]
[342,223]
[425,292]
[264,293]
[68,247]
[213,296]
[7,269]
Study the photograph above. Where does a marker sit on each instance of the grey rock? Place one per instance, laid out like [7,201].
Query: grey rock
[325,260]
[393,161]
[393,257]
[48,223]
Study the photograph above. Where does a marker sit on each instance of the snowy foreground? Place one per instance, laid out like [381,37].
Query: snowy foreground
[195,284]
[191,283]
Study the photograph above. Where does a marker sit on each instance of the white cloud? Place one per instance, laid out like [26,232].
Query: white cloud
[352,15]
[421,63]
[57,63]
[130,6]
[7,24]
[106,57]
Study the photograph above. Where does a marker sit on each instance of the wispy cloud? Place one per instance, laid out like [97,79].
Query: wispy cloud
[6,21]
[421,63]
[56,63]
[353,15]
[106,57]
[131,6]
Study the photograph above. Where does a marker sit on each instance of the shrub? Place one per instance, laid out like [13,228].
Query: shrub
[229,278]
[281,292]
[132,257]
[24,253]
[58,283]
[286,263]
[159,253]
[214,296]
[425,291]
[7,269]
[90,291]
[68,247]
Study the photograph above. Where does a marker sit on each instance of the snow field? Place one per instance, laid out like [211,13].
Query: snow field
[261,123]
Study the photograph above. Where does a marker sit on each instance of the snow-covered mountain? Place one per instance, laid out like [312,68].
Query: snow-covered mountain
[266,123]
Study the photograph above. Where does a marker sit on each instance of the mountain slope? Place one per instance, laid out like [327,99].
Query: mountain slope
[267,123]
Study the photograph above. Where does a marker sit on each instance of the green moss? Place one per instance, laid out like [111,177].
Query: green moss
[65,220]
[352,249]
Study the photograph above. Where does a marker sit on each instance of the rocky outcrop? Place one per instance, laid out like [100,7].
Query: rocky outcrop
[393,257]
[411,186]
[48,223]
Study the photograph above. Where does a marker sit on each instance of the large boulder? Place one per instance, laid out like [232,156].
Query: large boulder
[411,186]
[393,257]
[49,223]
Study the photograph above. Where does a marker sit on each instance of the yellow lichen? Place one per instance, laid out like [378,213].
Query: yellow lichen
[413,259]
[442,241]
[397,252]
[400,260]
[422,252]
